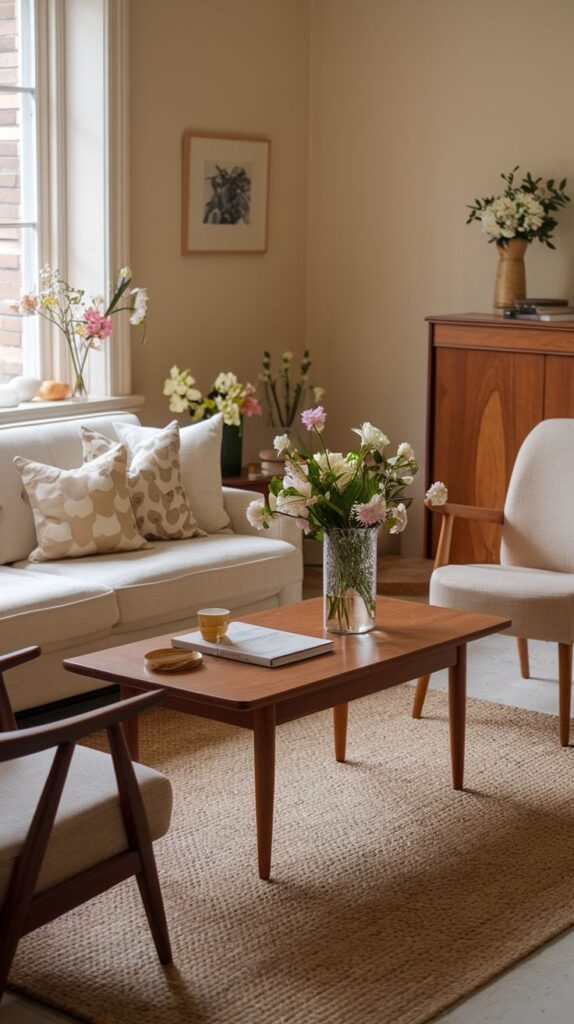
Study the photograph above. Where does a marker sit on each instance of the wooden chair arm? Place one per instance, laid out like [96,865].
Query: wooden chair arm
[18,657]
[450,512]
[487,515]
[22,742]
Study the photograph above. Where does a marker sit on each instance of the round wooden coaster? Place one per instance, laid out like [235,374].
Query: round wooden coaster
[170,659]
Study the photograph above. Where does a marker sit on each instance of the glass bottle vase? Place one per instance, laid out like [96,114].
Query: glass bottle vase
[350,579]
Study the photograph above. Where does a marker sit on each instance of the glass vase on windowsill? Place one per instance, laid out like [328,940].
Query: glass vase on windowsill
[85,323]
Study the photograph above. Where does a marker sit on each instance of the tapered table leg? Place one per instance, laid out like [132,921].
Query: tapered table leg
[264,762]
[457,715]
[131,727]
[340,719]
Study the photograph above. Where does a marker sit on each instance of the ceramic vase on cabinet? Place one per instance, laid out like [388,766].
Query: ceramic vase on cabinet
[511,273]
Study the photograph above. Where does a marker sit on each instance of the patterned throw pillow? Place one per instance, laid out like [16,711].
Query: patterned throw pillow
[158,499]
[85,511]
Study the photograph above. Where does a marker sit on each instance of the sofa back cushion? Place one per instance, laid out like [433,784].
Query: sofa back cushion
[57,444]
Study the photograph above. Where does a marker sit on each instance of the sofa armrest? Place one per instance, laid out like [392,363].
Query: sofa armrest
[236,502]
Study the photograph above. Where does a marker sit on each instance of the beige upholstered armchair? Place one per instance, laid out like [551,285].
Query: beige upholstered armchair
[534,583]
[74,821]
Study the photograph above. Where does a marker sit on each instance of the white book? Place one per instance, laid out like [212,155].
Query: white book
[258,645]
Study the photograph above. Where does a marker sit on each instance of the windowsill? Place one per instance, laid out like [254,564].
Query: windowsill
[32,412]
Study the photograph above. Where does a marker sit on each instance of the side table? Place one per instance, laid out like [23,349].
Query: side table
[249,481]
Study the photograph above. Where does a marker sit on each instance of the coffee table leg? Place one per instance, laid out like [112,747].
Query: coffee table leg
[131,727]
[457,715]
[264,760]
[340,718]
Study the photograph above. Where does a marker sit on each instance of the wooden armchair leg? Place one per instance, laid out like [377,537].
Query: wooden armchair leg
[522,644]
[138,834]
[565,688]
[420,694]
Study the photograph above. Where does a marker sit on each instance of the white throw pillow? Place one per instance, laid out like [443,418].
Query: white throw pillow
[200,461]
[158,498]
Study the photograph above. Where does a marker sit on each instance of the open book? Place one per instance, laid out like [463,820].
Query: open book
[258,645]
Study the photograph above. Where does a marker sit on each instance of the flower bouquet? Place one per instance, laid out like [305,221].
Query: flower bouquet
[524,210]
[343,499]
[84,322]
[227,396]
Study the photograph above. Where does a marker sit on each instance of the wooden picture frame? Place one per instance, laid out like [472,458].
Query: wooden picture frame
[225,193]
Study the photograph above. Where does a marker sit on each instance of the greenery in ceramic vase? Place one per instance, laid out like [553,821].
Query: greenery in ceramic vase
[524,210]
[84,322]
[285,388]
[226,395]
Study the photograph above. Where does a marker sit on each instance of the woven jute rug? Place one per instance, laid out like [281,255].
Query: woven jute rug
[392,895]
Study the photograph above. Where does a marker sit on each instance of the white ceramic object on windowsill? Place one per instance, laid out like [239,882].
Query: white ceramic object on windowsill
[26,387]
[9,396]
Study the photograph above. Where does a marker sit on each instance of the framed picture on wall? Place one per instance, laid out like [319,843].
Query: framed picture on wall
[225,192]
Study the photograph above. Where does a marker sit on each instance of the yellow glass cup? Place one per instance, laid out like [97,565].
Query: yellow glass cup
[213,623]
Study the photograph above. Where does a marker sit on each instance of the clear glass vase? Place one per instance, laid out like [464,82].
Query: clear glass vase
[350,580]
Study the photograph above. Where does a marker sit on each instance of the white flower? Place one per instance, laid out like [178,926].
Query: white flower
[318,394]
[292,505]
[437,493]
[140,306]
[297,479]
[256,513]
[125,274]
[230,410]
[371,436]
[405,451]
[179,387]
[338,464]
[399,514]
[282,444]
[224,382]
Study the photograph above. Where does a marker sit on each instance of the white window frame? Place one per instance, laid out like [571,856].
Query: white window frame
[59,36]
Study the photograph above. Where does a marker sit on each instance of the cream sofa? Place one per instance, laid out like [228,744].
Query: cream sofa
[78,605]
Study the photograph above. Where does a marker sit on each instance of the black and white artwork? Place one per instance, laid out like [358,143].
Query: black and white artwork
[225,193]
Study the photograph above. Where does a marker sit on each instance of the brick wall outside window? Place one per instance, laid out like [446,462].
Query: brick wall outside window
[10,155]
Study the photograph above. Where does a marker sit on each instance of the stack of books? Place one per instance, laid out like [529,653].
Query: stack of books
[540,309]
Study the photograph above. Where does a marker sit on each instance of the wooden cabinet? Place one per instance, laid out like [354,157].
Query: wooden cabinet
[491,380]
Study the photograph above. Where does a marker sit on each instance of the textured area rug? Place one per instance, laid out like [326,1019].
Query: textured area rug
[392,895]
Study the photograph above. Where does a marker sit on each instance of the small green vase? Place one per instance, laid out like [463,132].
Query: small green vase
[231,442]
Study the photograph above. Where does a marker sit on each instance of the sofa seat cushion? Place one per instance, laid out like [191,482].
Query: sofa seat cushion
[172,580]
[88,828]
[540,603]
[51,610]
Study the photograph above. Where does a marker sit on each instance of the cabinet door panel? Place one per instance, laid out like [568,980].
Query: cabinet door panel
[559,387]
[484,405]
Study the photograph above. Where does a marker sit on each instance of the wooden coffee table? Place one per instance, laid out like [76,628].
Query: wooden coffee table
[410,640]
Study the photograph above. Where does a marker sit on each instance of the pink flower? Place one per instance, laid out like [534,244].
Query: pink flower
[314,418]
[251,406]
[371,512]
[96,325]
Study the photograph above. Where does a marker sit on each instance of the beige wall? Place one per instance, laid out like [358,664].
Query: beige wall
[412,109]
[230,66]
[416,108]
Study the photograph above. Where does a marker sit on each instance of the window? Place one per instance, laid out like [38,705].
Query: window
[62,66]
[18,184]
